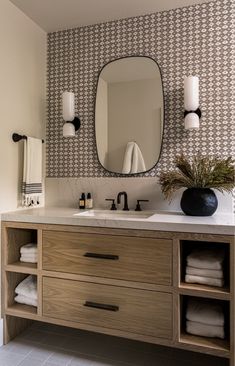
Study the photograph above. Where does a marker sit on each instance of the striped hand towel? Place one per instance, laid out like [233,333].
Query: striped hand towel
[32,172]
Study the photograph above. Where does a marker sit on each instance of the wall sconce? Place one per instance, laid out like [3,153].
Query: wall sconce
[72,123]
[192,113]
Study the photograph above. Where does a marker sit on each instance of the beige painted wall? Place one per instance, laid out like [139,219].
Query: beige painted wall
[22,94]
[134,115]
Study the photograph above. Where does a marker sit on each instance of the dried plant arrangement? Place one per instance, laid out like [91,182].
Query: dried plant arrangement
[202,172]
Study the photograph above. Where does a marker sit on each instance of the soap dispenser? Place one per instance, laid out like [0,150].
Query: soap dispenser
[82,201]
[89,201]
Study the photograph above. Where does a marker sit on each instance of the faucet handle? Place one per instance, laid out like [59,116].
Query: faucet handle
[138,208]
[113,206]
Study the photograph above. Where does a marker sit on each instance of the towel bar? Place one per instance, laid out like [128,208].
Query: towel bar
[16,137]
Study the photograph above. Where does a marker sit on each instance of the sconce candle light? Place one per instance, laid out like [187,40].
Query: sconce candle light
[72,123]
[192,112]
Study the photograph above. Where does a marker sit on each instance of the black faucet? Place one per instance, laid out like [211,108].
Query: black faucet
[125,208]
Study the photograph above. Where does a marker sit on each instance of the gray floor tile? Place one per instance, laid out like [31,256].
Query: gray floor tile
[46,345]
[40,352]
[80,361]
[10,358]
[49,364]
[29,361]
[18,345]
[61,358]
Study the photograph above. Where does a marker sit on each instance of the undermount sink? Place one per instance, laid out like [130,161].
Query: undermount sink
[108,214]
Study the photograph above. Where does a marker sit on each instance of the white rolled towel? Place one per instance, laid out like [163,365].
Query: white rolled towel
[204,311]
[205,330]
[30,248]
[205,258]
[28,287]
[217,282]
[212,273]
[21,299]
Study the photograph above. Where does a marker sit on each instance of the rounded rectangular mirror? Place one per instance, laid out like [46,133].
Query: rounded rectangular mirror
[129,115]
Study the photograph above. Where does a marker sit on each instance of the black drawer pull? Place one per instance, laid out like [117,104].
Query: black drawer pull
[101,256]
[97,305]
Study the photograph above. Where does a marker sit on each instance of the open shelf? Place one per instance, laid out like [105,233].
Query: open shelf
[16,238]
[199,343]
[186,247]
[22,267]
[21,309]
[13,278]
[217,346]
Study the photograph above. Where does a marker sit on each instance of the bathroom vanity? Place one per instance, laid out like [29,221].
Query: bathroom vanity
[122,277]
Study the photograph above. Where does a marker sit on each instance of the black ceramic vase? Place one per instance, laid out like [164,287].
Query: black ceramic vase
[199,202]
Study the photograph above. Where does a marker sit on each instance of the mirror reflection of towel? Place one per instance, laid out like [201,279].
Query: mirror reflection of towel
[133,159]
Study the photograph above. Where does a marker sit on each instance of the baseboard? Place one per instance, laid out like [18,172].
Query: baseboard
[1,332]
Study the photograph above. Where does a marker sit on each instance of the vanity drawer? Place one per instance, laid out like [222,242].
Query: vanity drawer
[131,310]
[120,257]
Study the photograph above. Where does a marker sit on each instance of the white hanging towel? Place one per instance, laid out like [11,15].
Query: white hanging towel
[32,173]
[133,159]
[126,168]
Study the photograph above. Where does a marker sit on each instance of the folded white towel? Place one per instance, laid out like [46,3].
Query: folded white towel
[205,330]
[29,259]
[28,287]
[21,299]
[208,259]
[212,273]
[30,256]
[218,282]
[30,248]
[204,311]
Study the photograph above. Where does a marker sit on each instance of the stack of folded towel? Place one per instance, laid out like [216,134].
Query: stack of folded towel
[29,253]
[205,318]
[26,291]
[205,267]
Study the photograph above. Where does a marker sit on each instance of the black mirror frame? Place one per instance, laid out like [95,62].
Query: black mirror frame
[163,131]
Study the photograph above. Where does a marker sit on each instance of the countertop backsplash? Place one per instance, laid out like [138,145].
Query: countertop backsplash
[65,192]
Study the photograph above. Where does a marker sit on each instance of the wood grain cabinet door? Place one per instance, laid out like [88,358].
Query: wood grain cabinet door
[136,259]
[131,310]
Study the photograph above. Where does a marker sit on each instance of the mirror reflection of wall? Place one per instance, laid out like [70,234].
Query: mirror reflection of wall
[129,115]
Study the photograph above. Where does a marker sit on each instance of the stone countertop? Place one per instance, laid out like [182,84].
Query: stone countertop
[219,223]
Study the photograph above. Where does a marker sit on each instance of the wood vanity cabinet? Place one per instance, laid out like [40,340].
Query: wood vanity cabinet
[128,283]
[119,257]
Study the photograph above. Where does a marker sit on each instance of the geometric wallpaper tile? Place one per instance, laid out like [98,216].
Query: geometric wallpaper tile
[194,40]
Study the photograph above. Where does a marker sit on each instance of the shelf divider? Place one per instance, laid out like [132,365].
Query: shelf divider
[22,267]
[214,346]
[204,291]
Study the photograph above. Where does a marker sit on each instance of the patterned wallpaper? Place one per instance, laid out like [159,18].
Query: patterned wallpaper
[192,40]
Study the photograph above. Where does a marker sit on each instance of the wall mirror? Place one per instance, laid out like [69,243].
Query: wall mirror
[129,115]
